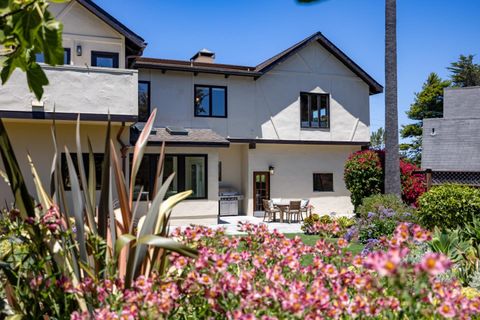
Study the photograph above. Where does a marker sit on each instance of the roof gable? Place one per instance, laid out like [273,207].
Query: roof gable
[135,44]
[269,64]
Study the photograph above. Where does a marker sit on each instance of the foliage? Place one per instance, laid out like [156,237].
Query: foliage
[475,280]
[377,139]
[262,276]
[428,103]
[53,247]
[363,175]
[464,72]
[379,202]
[449,206]
[28,28]
[413,184]
[459,250]
[326,226]
[377,225]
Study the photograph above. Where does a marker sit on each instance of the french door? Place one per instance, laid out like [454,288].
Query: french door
[261,189]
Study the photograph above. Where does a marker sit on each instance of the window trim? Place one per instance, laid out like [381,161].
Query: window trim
[180,175]
[309,111]
[149,106]
[313,181]
[210,107]
[95,54]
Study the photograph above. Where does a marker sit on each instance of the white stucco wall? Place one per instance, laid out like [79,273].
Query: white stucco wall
[75,89]
[293,177]
[81,27]
[269,107]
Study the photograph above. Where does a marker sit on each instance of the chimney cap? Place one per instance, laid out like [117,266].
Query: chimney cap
[203,53]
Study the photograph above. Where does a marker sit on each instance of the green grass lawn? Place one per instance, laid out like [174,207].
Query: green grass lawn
[310,240]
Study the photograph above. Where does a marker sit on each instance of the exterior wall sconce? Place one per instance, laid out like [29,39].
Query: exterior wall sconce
[271,169]
[79,50]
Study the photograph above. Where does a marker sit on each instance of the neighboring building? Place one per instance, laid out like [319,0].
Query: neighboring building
[281,129]
[451,145]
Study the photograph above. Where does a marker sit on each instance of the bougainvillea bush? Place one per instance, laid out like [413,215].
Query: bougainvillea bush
[263,275]
[364,176]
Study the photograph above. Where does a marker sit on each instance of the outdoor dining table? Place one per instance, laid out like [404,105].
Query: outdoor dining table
[283,208]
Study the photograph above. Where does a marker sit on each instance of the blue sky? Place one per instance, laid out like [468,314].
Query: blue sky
[431,33]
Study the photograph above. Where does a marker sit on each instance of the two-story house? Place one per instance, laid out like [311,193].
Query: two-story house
[281,129]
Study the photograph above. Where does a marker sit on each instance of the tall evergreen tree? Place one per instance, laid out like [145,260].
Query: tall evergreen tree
[428,103]
[464,72]
[377,139]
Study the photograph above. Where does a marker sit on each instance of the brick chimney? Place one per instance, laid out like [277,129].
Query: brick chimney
[204,55]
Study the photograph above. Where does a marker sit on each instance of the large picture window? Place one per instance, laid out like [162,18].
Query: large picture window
[143,100]
[104,59]
[191,174]
[98,158]
[40,57]
[323,182]
[314,110]
[210,101]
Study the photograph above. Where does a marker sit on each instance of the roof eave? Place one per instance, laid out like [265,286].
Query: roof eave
[142,65]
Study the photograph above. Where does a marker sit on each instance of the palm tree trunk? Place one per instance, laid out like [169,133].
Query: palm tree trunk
[392,161]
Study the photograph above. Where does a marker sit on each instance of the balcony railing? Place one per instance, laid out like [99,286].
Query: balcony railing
[75,89]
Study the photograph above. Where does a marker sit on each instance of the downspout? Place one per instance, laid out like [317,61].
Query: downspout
[124,147]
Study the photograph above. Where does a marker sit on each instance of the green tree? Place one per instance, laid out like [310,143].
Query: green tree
[464,72]
[377,139]
[26,29]
[428,103]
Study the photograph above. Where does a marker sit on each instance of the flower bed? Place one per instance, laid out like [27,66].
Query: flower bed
[261,276]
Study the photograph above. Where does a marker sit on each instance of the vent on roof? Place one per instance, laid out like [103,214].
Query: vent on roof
[177,131]
[204,55]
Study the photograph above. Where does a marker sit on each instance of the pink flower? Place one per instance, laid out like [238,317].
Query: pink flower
[447,310]
[435,263]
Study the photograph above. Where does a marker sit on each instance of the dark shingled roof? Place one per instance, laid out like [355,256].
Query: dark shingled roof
[203,137]
[264,67]
[134,42]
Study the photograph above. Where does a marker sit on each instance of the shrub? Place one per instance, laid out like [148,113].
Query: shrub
[378,202]
[326,226]
[376,225]
[363,175]
[413,185]
[449,206]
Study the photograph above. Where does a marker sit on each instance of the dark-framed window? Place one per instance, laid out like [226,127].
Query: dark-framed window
[323,182]
[98,158]
[210,101]
[40,57]
[143,100]
[191,174]
[104,59]
[314,110]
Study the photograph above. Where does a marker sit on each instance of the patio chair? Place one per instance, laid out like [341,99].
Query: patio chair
[294,210]
[269,210]
[304,208]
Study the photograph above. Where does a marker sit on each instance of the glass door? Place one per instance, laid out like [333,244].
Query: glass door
[261,189]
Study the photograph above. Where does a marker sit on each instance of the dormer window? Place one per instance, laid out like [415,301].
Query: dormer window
[210,101]
[104,59]
[314,110]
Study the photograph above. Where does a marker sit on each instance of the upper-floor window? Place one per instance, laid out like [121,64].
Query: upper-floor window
[143,100]
[104,59]
[210,101]
[314,110]
[40,57]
